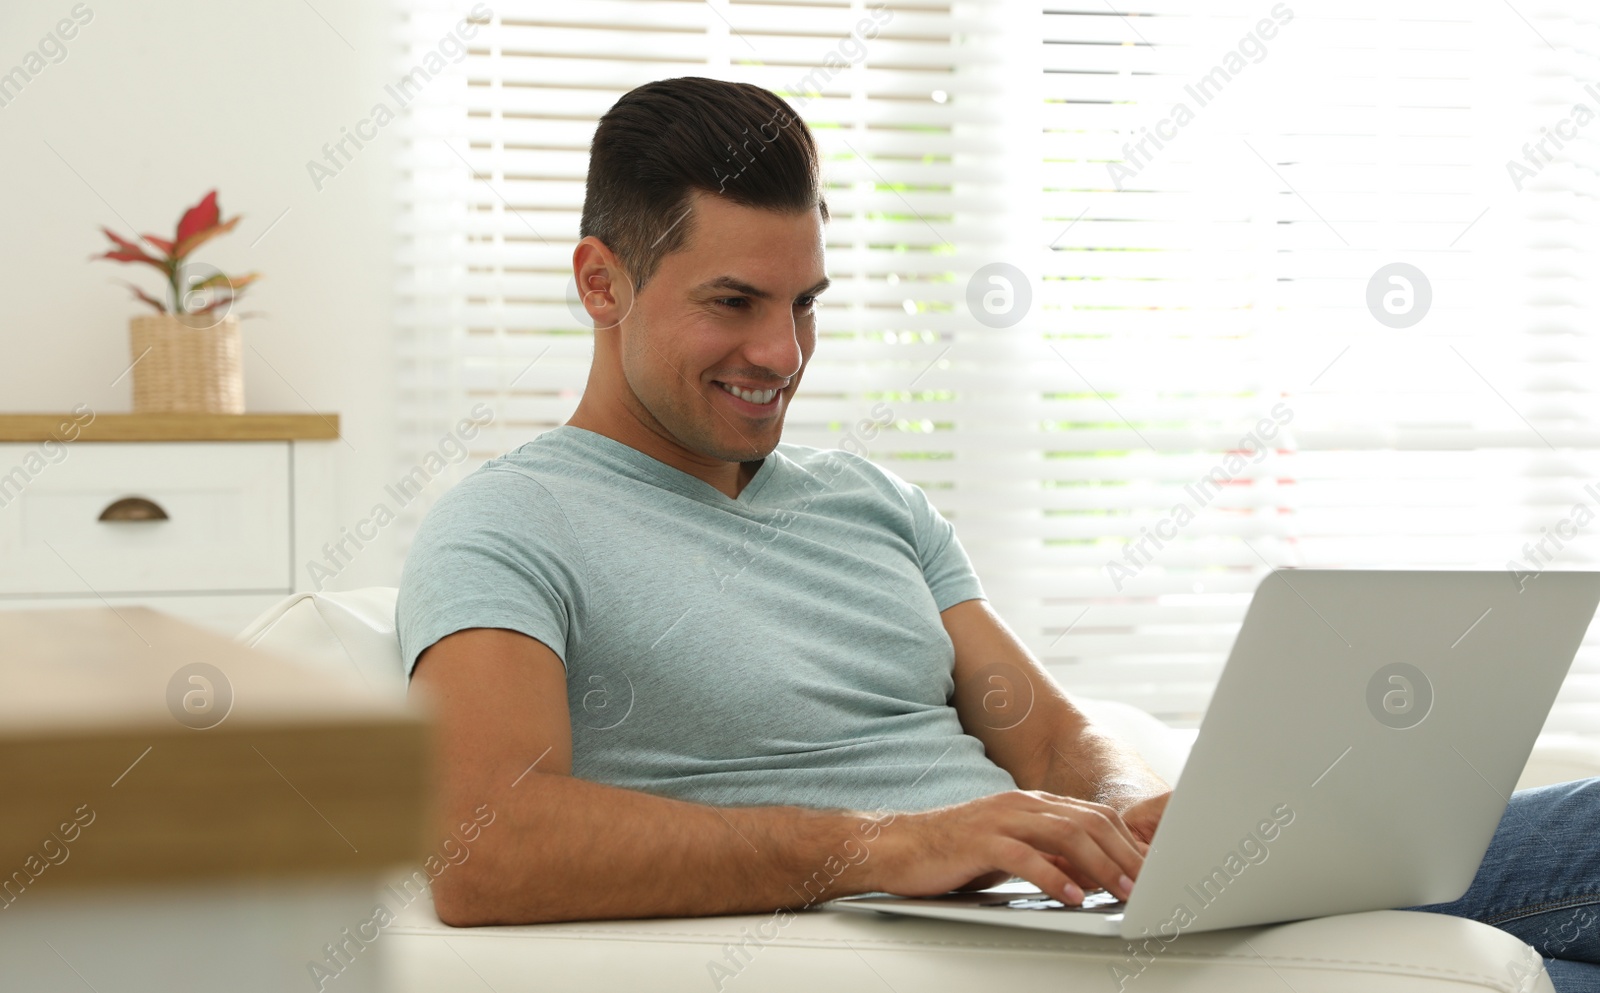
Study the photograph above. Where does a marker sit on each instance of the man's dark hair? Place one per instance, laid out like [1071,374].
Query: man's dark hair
[664,140]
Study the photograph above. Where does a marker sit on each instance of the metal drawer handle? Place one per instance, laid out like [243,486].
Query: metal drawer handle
[133,509]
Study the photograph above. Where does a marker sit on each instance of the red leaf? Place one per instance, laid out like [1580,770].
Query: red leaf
[161,243]
[213,305]
[234,283]
[198,218]
[194,241]
[121,241]
[127,251]
[160,307]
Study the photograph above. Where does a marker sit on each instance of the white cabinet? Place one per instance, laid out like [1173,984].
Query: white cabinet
[220,520]
[210,531]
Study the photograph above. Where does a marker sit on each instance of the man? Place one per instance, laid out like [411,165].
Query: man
[686,664]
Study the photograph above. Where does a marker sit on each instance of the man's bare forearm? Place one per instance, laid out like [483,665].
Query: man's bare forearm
[1052,746]
[1089,764]
[566,849]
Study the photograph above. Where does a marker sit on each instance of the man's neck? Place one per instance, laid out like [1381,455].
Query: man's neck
[728,478]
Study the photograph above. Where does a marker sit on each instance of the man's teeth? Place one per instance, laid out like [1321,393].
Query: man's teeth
[753,396]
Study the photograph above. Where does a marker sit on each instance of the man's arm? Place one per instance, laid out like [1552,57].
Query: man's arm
[1029,727]
[561,848]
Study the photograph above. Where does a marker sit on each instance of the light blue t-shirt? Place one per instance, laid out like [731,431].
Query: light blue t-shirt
[784,647]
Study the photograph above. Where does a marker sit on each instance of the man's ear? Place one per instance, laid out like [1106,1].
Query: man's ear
[604,290]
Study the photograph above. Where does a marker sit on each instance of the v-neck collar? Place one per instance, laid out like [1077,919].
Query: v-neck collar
[649,469]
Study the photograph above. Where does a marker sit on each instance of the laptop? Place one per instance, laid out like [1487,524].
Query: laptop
[1358,753]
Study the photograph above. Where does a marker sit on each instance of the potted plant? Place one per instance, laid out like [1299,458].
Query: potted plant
[187,355]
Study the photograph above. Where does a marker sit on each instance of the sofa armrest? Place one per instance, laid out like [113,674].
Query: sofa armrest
[1389,951]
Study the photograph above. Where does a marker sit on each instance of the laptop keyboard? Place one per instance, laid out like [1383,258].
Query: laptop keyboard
[1094,902]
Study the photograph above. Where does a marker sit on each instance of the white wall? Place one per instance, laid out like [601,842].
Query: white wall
[154,103]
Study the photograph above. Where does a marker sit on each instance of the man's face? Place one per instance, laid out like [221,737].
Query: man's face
[734,309]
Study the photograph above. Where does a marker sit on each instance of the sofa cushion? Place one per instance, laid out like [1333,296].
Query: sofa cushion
[350,635]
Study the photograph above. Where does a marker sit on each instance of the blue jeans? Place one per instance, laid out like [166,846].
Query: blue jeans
[1541,882]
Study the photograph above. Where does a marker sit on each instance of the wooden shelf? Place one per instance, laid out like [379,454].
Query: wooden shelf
[169,427]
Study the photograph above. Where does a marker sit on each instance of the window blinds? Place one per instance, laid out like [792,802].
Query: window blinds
[1100,283]
[1334,142]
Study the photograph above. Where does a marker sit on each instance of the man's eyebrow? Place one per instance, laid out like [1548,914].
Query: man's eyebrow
[745,289]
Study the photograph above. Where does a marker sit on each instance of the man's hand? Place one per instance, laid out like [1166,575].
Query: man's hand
[1143,816]
[1058,844]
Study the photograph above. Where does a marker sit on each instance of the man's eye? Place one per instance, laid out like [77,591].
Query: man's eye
[806,303]
[733,302]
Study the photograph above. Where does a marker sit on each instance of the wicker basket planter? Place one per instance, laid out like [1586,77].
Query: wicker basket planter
[191,364]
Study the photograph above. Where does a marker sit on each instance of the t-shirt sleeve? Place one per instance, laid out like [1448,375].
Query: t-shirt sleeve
[494,552]
[945,565]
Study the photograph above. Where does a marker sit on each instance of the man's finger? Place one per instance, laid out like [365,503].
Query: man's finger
[1021,859]
[1089,841]
[1060,803]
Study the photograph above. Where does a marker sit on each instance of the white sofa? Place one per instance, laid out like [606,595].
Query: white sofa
[352,633]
